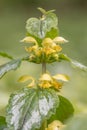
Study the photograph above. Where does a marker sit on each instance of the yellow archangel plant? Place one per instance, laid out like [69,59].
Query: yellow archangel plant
[39,105]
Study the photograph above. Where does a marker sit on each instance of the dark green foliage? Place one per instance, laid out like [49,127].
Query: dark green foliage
[2,123]
[64,111]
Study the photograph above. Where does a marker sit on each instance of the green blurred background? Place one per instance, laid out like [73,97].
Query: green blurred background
[72,16]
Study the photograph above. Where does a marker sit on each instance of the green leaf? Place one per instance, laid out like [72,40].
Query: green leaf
[64,57]
[77,123]
[5,55]
[2,123]
[39,28]
[52,33]
[43,11]
[12,65]
[29,107]
[64,111]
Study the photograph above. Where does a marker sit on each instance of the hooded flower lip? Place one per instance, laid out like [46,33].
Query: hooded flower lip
[61,77]
[47,42]
[26,78]
[60,40]
[29,39]
[45,77]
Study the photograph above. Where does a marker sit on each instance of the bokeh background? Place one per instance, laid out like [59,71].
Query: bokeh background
[72,16]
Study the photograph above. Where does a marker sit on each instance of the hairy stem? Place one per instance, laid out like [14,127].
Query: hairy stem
[44,125]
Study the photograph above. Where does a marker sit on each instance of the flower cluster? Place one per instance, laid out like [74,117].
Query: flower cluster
[46,81]
[47,51]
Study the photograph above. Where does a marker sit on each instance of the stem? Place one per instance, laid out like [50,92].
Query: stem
[44,125]
[43,67]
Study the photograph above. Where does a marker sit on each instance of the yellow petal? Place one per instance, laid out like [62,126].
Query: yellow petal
[29,40]
[57,48]
[45,77]
[56,84]
[48,50]
[25,78]
[61,77]
[38,52]
[33,48]
[60,40]
[45,84]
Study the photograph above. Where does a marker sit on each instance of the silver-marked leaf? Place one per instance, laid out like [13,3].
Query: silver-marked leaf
[33,27]
[12,65]
[3,54]
[64,111]
[78,65]
[39,28]
[29,107]
[75,64]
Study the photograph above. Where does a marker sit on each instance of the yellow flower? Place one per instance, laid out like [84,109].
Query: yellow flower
[48,50]
[55,125]
[45,84]
[30,49]
[59,40]
[38,52]
[50,46]
[57,48]
[56,84]
[47,81]
[29,39]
